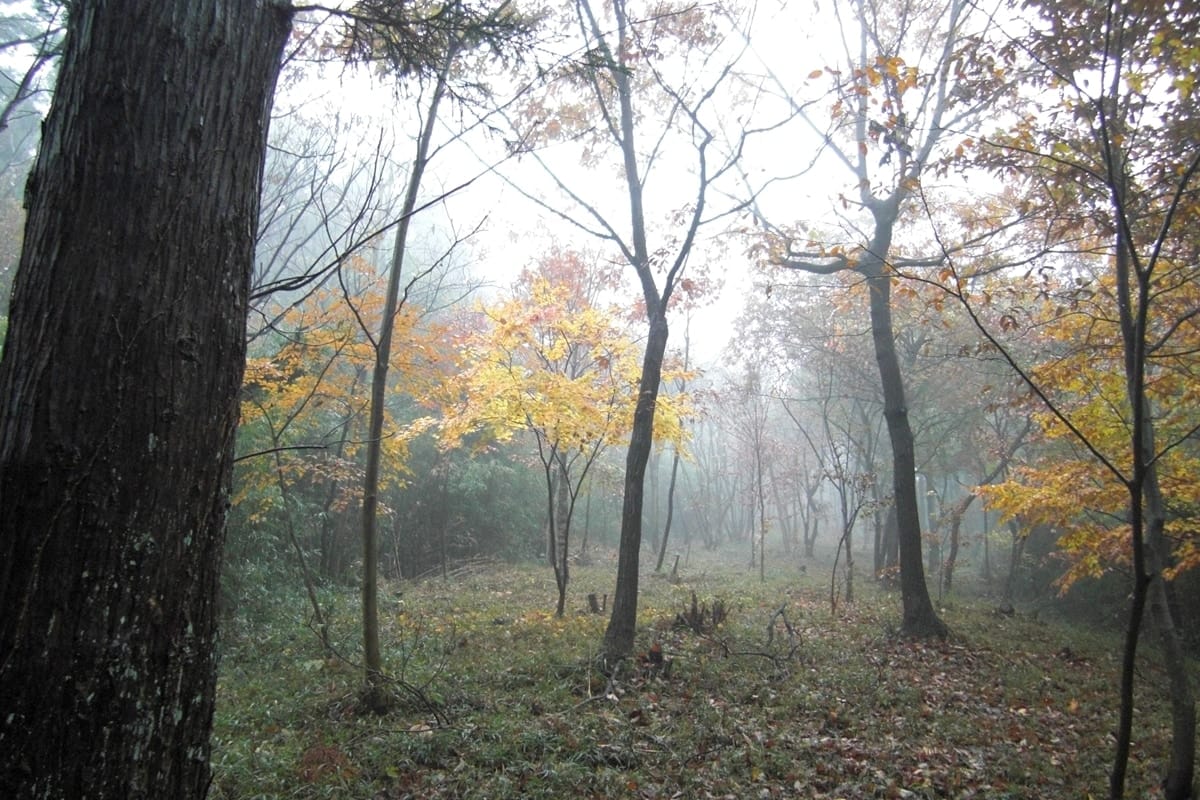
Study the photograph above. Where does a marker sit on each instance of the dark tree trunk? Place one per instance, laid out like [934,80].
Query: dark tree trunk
[622,625]
[118,395]
[1180,779]
[920,618]
[619,635]
[1147,516]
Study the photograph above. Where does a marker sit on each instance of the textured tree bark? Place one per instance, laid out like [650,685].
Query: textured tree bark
[118,395]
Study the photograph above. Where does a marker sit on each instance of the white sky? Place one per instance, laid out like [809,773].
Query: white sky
[784,34]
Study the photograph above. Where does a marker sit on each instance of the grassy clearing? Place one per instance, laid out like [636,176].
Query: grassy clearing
[1009,707]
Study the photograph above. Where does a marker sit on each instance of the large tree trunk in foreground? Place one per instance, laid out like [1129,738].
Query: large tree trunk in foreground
[118,395]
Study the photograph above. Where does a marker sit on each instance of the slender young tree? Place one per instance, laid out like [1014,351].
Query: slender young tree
[448,33]
[118,395]
[375,696]
[628,102]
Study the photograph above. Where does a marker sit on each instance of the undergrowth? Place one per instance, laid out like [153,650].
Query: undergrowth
[497,698]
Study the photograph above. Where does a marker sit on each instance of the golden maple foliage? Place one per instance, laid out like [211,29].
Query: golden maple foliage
[309,388]
[552,363]
[1068,489]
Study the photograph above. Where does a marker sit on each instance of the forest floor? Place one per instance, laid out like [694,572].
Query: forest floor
[497,698]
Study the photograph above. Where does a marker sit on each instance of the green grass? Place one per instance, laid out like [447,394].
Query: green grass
[1008,707]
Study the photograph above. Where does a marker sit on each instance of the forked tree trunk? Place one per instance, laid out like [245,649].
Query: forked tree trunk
[811,531]
[119,388]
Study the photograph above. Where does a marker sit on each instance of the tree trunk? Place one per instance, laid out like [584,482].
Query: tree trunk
[987,550]
[587,527]
[761,497]
[444,516]
[622,625]
[1147,514]
[119,392]
[954,519]
[920,618]
[810,535]
[880,541]
[1178,785]
[666,534]
[334,556]
[891,540]
[783,506]
[652,470]
[560,510]
[373,690]
[850,564]
[750,534]
[1137,610]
